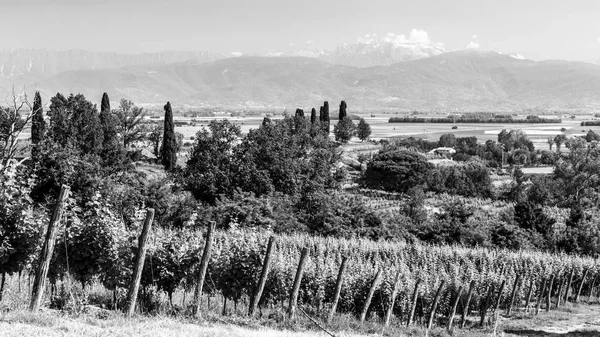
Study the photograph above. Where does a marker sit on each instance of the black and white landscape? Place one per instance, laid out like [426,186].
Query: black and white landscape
[310,168]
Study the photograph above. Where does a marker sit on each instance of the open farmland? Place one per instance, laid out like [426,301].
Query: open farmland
[538,133]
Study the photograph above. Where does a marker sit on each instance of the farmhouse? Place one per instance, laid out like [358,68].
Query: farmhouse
[443,151]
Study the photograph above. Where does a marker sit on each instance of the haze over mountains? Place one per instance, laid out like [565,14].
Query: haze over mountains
[371,74]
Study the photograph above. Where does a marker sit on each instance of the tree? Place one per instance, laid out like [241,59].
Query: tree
[288,157]
[38,125]
[591,136]
[324,117]
[108,120]
[21,223]
[550,142]
[578,173]
[74,121]
[12,123]
[447,140]
[155,137]
[130,118]
[343,108]
[313,116]
[105,104]
[169,148]
[560,140]
[72,149]
[299,113]
[344,130]
[532,218]
[208,171]
[363,131]
[397,170]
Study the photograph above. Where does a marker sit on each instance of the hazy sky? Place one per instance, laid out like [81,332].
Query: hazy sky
[537,29]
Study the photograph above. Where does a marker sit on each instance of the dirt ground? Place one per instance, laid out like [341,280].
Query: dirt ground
[571,321]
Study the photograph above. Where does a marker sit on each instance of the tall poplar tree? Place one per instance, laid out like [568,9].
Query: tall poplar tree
[169,148]
[313,116]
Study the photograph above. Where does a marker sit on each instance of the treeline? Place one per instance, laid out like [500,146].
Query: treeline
[450,120]
[590,123]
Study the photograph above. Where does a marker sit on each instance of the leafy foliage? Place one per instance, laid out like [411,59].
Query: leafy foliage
[130,123]
[397,170]
[344,130]
[363,130]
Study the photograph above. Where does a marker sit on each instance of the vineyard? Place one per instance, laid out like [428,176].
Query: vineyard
[482,279]
[392,282]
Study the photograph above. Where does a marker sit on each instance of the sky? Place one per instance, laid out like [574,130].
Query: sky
[536,29]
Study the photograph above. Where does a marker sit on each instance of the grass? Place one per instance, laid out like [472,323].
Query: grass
[54,323]
[573,320]
[15,320]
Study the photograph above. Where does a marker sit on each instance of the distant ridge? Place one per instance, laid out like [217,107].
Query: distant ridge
[468,80]
[41,62]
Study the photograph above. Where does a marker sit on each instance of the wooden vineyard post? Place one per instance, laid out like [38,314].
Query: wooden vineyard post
[559,294]
[390,309]
[569,285]
[592,289]
[203,267]
[499,299]
[263,278]
[338,288]
[413,303]
[374,284]
[548,298]
[540,296]
[528,299]
[454,306]
[585,273]
[297,280]
[513,294]
[465,312]
[436,299]
[39,284]
[486,305]
[139,263]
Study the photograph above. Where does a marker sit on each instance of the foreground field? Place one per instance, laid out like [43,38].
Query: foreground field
[581,321]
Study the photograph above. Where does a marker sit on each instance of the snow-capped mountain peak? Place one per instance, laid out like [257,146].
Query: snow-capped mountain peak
[372,50]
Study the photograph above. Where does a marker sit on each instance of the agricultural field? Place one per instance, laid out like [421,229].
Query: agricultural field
[381,128]
[384,285]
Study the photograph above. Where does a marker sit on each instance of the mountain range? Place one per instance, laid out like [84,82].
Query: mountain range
[368,76]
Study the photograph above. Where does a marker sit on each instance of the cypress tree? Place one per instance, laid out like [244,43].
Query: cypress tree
[313,116]
[299,113]
[169,148]
[342,110]
[38,125]
[105,105]
[110,139]
[326,119]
